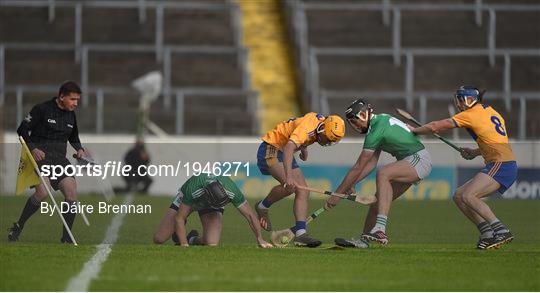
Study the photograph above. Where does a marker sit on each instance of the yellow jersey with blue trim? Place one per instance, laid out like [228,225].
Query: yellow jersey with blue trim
[301,130]
[488,129]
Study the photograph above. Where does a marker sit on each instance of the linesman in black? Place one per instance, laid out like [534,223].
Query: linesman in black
[47,129]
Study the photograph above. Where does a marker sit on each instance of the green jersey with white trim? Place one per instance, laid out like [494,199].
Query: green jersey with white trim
[391,135]
[193,190]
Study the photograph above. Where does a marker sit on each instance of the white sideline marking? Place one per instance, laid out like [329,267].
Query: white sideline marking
[92,267]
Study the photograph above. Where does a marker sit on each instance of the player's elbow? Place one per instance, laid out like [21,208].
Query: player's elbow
[432,126]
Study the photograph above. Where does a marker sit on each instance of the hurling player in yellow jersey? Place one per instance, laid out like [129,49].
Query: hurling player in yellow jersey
[487,128]
[275,157]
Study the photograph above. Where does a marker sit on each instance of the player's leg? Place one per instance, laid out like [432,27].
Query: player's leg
[270,162]
[31,207]
[300,210]
[481,186]
[407,171]
[211,222]
[166,227]
[371,217]
[68,187]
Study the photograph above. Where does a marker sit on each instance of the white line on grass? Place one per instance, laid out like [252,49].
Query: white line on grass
[92,267]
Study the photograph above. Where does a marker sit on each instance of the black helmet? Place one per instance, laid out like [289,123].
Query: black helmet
[216,195]
[353,112]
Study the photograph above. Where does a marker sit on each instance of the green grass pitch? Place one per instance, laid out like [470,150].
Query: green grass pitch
[431,248]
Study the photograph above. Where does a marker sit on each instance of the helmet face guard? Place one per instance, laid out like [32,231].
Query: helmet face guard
[333,128]
[463,93]
[354,112]
[215,195]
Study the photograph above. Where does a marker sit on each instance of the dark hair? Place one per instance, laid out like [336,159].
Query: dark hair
[69,87]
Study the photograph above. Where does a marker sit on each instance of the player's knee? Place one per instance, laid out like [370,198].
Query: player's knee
[71,196]
[302,194]
[40,195]
[158,239]
[458,197]
[383,174]
[468,198]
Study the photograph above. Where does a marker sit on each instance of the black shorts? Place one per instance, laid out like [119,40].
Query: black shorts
[62,161]
[202,211]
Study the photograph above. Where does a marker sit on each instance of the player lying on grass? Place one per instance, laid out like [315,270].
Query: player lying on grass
[47,129]
[275,157]
[208,195]
[388,134]
[487,128]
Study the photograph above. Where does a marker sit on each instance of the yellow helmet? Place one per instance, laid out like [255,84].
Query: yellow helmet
[334,128]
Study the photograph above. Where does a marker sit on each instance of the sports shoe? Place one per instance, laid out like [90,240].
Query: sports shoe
[190,237]
[505,237]
[489,243]
[305,240]
[353,242]
[263,214]
[377,236]
[14,232]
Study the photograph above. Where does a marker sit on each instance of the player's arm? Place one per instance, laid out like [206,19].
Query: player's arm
[365,163]
[75,141]
[180,223]
[288,153]
[303,153]
[28,124]
[253,222]
[435,126]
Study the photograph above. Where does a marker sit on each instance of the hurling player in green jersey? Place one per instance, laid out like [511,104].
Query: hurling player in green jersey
[383,133]
[208,195]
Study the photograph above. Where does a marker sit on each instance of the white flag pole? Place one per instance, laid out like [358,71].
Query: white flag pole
[36,169]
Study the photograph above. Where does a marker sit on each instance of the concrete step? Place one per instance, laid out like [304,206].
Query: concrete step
[31,25]
[40,67]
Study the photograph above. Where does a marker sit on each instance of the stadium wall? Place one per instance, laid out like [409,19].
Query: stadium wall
[324,169]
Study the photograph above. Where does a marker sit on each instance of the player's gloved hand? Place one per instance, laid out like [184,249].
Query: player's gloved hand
[264,244]
[303,154]
[38,154]
[467,153]
[332,202]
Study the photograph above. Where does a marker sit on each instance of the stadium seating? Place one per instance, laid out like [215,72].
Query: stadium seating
[338,32]
[120,49]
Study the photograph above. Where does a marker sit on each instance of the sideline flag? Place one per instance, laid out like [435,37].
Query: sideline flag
[33,165]
[26,175]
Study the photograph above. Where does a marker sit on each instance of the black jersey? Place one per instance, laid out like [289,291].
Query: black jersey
[49,128]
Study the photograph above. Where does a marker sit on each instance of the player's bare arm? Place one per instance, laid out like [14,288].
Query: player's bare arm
[288,152]
[180,226]
[435,126]
[303,153]
[253,222]
[364,165]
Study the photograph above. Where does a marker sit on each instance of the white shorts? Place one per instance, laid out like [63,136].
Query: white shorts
[421,162]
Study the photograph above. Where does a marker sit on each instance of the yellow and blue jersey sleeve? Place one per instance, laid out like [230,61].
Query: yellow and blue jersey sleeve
[301,131]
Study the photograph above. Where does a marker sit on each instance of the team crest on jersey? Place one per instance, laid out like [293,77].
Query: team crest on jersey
[28,118]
